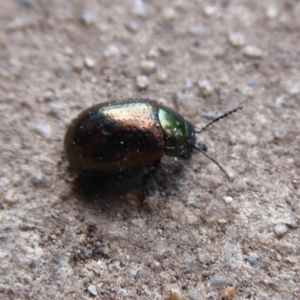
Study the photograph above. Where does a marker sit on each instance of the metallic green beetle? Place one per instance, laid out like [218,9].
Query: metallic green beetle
[127,134]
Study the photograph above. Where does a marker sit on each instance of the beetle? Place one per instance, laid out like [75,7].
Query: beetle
[121,135]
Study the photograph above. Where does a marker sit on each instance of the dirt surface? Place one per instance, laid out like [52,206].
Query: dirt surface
[197,234]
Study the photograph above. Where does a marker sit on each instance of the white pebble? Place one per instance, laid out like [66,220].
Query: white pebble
[205,87]
[261,118]
[111,50]
[40,181]
[69,51]
[180,4]
[228,199]
[197,30]
[142,82]
[48,95]
[153,53]
[162,76]
[92,290]
[252,52]
[249,138]
[209,10]
[280,229]
[292,86]
[139,8]
[147,66]
[272,12]
[43,129]
[113,233]
[168,13]
[132,26]
[89,62]
[89,17]
[237,39]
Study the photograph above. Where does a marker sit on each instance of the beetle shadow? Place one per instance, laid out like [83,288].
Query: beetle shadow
[128,189]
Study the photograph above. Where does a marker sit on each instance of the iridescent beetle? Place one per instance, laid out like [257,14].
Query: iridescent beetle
[127,134]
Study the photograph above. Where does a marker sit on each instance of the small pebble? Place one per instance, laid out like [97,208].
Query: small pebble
[280,229]
[132,26]
[40,181]
[69,51]
[9,198]
[251,82]
[153,53]
[44,129]
[205,87]
[111,51]
[175,293]
[218,281]
[168,13]
[228,293]
[228,254]
[113,232]
[214,211]
[209,116]
[249,138]
[89,17]
[261,119]
[292,87]
[92,290]
[228,199]
[177,211]
[285,248]
[180,4]
[139,8]
[77,64]
[179,97]
[272,12]
[186,83]
[56,110]
[64,14]
[252,52]
[103,251]
[209,10]
[252,260]
[133,198]
[147,66]
[11,97]
[142,82]
[89,62]
[48,95]
[206,258]
[237,39]
[162,76]
[197,30]
[195,294]
[19,23]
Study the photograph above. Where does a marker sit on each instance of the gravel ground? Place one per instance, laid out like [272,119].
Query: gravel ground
[197,235]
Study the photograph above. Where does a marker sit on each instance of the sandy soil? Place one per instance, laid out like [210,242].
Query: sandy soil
[197,234]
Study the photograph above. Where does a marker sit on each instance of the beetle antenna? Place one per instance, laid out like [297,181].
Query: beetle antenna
[213,160]
[219,118]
